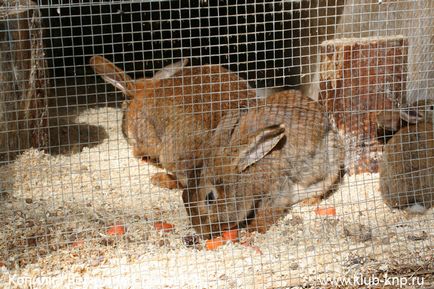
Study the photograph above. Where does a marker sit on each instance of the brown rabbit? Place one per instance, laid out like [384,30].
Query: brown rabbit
[393,120]
[167,117]
[263,161]
[407,167]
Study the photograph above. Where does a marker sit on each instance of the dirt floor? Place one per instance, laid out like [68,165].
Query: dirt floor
[62,205]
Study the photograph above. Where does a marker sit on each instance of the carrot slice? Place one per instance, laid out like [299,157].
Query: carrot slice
[215,243]
[163,226]
[230,235]
[329,211]
[116,230]
[77,243]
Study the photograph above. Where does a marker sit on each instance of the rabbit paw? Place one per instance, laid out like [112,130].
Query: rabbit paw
[311,201]
[166,181]
[264,219]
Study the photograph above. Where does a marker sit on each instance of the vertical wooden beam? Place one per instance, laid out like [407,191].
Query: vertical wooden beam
[24,82]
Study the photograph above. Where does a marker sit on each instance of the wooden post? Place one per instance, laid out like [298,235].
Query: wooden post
[23,80]
[359,77]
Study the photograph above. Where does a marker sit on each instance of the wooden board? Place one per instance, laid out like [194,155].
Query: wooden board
[358,78]
[23,80]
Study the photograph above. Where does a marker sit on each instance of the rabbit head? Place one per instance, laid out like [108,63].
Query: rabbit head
[420,110]
[225,196]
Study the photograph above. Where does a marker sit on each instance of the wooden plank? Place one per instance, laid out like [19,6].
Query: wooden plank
[412,19]
[23,80]
[359,77]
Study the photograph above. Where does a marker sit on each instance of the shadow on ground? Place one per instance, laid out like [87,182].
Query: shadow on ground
[69,98]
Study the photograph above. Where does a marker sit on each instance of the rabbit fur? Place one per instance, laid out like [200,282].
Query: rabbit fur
[407,167]
[167,117]
[262,161]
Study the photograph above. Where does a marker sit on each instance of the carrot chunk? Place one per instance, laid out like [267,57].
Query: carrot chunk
[116,230]
[215,243]
[163,226]
[230,235]
[329,211]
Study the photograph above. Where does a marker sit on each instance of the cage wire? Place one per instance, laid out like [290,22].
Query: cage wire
[216,144]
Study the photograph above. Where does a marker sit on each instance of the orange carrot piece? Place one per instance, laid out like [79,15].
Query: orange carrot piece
[78,243]
[230,235]
[215,243]
[163,226]
[329,211]
[116,230]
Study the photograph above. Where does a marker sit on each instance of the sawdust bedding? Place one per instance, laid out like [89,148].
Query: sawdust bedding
[56,217]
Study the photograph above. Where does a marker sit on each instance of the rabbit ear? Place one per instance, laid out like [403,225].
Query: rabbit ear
[260,145]
[170,70]
[112,74]
[419,111]
[390,120]
[411,115]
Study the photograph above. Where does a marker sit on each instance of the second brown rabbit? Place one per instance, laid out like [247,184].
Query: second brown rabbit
[168,117]
[407,167]
[263,161]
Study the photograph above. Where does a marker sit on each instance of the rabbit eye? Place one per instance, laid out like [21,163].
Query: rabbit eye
[210,197]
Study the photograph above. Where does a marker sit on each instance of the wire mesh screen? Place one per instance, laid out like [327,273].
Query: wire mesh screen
[217,144]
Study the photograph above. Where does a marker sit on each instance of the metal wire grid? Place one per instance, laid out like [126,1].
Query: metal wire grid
[84,213]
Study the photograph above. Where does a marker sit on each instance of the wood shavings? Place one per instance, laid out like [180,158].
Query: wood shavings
[76,197]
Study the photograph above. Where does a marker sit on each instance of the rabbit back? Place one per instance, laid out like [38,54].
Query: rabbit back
[167,119]
[204,93]
[407,167]
[187,107]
